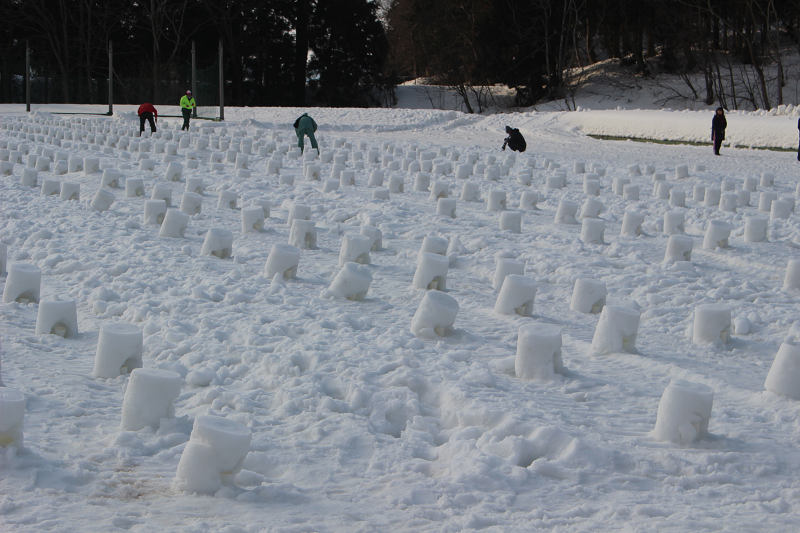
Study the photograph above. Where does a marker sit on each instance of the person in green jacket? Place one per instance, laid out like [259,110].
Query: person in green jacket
[305,125]
[187,104]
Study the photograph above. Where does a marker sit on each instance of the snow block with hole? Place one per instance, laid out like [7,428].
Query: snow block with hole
[283,259]
[219,243]
[439,189]
[674,223]
[784,374]
[134,187]
[434,245]
[154,211]
[517,295]
[681,171]
[51,187]
[174,224]
[352,282]
[57,317]
[755,229]
[148,398]
[102,200]
[767,179]
[174,171]
[355,248]
[679,248]
[162,192]
[469,191]
[12,418]
[213,456]
[765,200]
[252,219]
[791,280]
[191,203]
[728,202]
[566,212]
[591,208]
[511,221]
[632,223]
[446,207]
[592,230]
[119,347]
[616,330]
[780,210]
[298,212]
[712,323]
[538,352]
[504,268]
[717,234]
[683,412]
[74,164]
[227,200]
[435,315]
[29,177]
[431,273]
[631,193]
[588,296]
[303,234]
[375,236]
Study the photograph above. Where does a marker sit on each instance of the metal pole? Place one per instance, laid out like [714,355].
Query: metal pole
[194,82]
[27,76]
[110,78]
[221,85]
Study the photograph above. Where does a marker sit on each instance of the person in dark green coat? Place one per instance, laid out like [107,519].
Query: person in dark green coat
[305,125]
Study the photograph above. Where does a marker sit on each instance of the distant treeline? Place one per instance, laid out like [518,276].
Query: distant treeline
[276,52]
[534,45]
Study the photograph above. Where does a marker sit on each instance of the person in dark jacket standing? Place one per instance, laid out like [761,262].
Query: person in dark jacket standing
[515,140]
[147,112]
[718,125]
[305,125]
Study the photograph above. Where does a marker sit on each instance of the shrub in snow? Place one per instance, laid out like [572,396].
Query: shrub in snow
[74,164]
[119,349]
[227,200]
[716,236]
[102,200]
[422,182]
[162,192]
[784,375]
[29,177]
[698,193]
[468,191]
[588,296]
[51,187]
[431,271]
[755,229]
[352,282]
[663,189]
[566,212]
[298,212]
[683,412]
[765,200]
[174,224]
[632,223]
[592,230]
[214,454]
[511,221]
[780,210]
[791,279]
[252,219]
[729,202]
[57,317]
[712,323]
[446,207]
[674,223]
[681,171]
[134,187]
[516,296]
[712,196]
[283,259]
[767,179]
[538,352]
[504,268]
[616,330]
[677,197]
[149,397]
[631,193]
[679,248]
[591,208]
[218,242]
[355,248]
[434,245]
[435,316]
[303,234]
[91,165]
[154,211]
[12,417]
[191,203]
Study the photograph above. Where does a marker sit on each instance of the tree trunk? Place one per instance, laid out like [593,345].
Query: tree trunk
[301,53]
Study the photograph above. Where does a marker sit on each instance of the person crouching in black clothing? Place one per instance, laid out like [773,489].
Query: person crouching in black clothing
[515,140]
[718,125]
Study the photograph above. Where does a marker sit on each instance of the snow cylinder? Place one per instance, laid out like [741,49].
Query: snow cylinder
[57,317]
[679,248]
[435,316]
[517,295]
[148,398]
[174,224]
[12,418]
[784,374]
[755,229]
[683,412]
[355,248]
[712,323]
[616,330]
[504,268]
[118,346]
[431,273]
[588,296]
[283,259]
[191,203]
[23,283]
[716,236]
[134,187]
[592,230]
[154,211]
[632,223]
[538,352]
[352,282]
[303,234]
[218,242]
[252,219]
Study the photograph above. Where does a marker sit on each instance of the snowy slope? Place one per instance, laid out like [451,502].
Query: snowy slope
[358,425]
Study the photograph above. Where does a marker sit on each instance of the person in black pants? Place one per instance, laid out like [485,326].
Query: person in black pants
[146,112]
[718,125]
[515,140]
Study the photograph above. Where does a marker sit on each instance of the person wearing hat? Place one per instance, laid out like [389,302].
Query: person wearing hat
[187,104]
[718,125]
[515,140]
[305,125]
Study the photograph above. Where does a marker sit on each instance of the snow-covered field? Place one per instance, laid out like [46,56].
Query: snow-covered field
[357,424]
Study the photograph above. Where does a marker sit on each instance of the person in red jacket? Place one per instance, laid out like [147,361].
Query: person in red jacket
[146,112]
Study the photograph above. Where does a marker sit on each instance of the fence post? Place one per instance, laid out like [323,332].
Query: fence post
[221,85]
[27,76]
[194,82]
[110,78]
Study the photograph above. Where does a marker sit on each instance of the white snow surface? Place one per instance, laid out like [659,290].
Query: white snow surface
[357,424]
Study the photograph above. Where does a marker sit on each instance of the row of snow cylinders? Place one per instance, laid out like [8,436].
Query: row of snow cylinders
[437,311]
